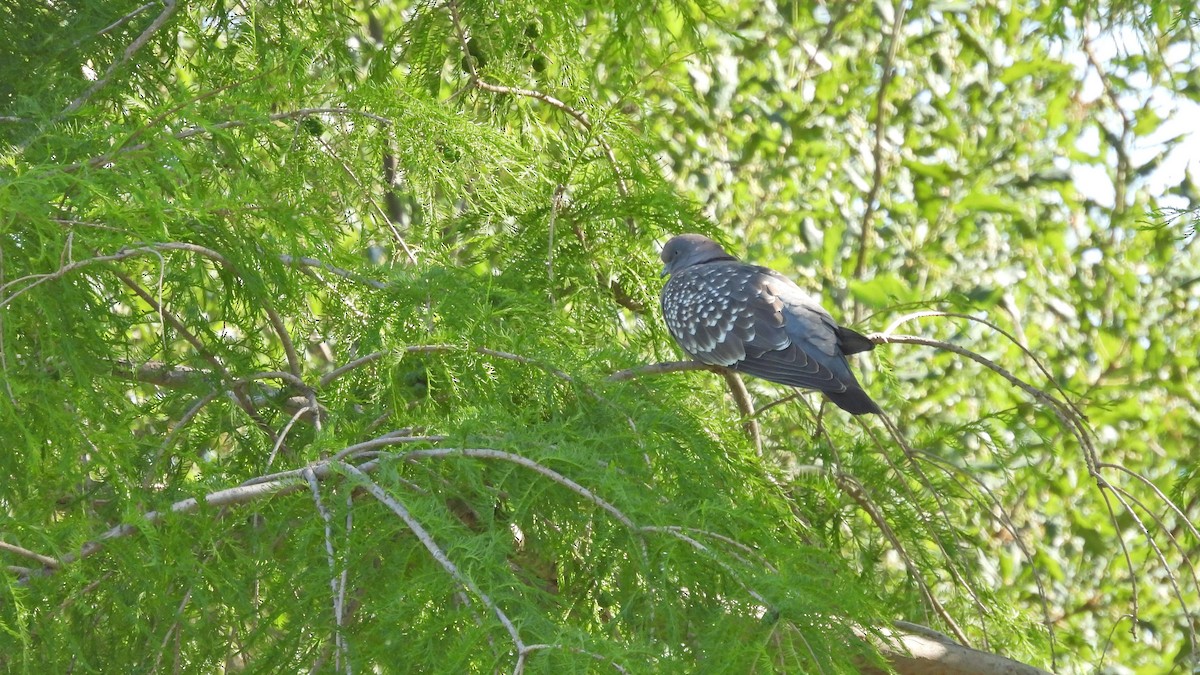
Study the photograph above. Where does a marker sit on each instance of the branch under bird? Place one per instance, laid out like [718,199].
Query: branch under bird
[754,320]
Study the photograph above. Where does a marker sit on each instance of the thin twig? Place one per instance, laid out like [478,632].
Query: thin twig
[190,132]
[935,493]
[880,124]
[1183,518]
[341,272]
[45,560]
[434,550]
[1133,579]
[123,20]
[274,375]
[578,115]
[284,432]
[162,648]
[1119,143]
[130,51]
[383,215]
[1007,523]
[855,490]
[174,433]
[741,396]
[529,649]
[338,638]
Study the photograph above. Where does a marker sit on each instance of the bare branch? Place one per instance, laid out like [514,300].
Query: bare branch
[746,407]
[343,273]
[238,392]
[660,369]
[578,115]
[294,363]
[331,557]
[434,550]
[912,652]
[880,124]
[130,51]
[855,490]
[159,374]
[45,560]
[342,370]
[227,497]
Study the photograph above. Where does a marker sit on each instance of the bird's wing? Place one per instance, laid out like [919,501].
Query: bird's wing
[755,321]
[707,311]
[799,344]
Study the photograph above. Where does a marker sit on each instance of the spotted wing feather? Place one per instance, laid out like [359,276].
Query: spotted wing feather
[756,321]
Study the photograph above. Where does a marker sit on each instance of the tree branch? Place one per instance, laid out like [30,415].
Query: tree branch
[880,123]
[133,48]
[909,648]
[911,652]
[45,560]
[578,115]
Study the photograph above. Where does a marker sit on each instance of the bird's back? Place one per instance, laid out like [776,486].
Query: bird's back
[755,320]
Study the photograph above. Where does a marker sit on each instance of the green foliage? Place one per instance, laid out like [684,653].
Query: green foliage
[207,212]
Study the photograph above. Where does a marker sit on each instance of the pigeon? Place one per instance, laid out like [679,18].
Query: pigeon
[724,312]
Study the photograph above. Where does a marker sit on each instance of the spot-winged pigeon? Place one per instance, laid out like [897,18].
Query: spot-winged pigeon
[724,312]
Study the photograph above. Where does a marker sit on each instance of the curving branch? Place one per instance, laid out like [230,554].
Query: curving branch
[190,132]
[134,47]
[1007,335]
[914,650]
[435,551]
[44,560]
[852,488]
[908,648]
[578,115]
[880,124]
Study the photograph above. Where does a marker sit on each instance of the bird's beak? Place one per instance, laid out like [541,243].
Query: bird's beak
[663,273]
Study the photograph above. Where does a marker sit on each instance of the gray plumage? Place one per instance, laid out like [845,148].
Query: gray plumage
[724,312]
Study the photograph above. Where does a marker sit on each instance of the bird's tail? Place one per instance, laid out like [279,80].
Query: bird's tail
[853,342]
[854,401]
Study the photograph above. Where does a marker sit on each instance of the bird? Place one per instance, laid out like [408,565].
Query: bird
[752,319]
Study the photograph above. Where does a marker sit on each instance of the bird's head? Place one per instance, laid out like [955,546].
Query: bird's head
[685,250]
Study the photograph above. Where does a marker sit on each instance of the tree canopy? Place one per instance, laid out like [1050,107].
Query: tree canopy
[330,340]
